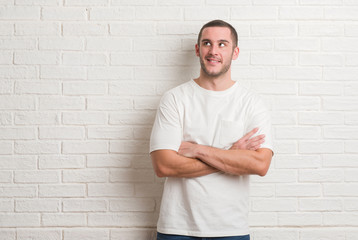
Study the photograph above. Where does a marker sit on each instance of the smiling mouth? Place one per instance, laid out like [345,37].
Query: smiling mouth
[211,60]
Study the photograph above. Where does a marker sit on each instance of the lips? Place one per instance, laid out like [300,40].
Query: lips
[213,60]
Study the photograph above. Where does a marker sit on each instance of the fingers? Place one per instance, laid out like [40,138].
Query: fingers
[249,134]
[255,143]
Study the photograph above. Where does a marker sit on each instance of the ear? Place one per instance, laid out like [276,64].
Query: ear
[197,50]
[235,55]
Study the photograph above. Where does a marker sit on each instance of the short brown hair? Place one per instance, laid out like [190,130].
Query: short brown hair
[220,23]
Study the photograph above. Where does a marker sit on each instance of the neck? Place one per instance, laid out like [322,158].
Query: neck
[219,83]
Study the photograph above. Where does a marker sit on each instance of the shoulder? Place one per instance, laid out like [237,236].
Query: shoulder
[177,92]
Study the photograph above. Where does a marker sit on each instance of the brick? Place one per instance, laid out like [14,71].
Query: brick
[110,73]
[19,220]
[284,118]
[17,43]
[299,219]
[86,3]
[158,13]
[320,118]
[296,103]
[341,13]
[6,29]
[325,204]
[351,30]
[84,176]
[5,58]
[108,44]
[179,2]
[340,160]
[299,162]
[61,161]
[295,73]
[285,146]
[62,190]
[84,88]
[316,233]
[262,219]
[274,205]
[129,118]
[297,132]
[85,147]
[16,133]
[133,59]
[271,234]
[303,44]
[85,29]
[273,2]
[37,205]
[298,190]
[125,146]
[309,59]
[84,59]
[142,133]
[339,44]
[63,13]
[38,29]
[321,146]
[84,118]
[340,103]
[262,190]
[32,87]
[341,132]
[112,13]
[18,191]
[63,219]
[175,28]
[321,2]
[146,103]
[273,30]
[351,89]
[133,2]
[164,73]
[321,175]
[123,234]
[351,146]
[61,72]
[61,103]
[36,177]
[131,175]
[61,43]
[351,175]
[276,176]
[6,147]
[204,13]
[106,103]
[301,13]
[6,206]
[37,147]
[90,234]
[19,13]
[152,44]
[110,190]
[123,88]
[340,190]
[36,57]
[132,29]
[108,160]
[319,88]
[36,118]
[84,205]
[38,234]
[123,220]
[5,176]
[351,118]
[110,133]
[148,189]
[18,162]
[5,118]
[273,59]
[340,219]
[351,204]
[18,72]
[37,2]
[254,13]
[132,205]
[317,29]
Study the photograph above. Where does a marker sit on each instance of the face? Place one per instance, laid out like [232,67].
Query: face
[216,51]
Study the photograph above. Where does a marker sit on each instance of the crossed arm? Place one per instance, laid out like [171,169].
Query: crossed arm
[195,160]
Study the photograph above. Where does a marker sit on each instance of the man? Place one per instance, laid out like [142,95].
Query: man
[198,143]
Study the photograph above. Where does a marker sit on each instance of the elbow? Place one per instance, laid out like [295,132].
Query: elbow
[263,171]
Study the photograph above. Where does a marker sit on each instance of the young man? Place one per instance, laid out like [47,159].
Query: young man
[198,143]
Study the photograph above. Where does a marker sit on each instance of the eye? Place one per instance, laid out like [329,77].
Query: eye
[221,44]
[207,44]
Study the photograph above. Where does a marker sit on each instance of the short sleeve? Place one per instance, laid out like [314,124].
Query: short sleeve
[167,130]
[260,117]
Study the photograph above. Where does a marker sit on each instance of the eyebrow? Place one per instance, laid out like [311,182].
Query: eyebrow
[208,40]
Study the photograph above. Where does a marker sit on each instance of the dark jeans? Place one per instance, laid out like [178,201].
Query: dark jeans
[161,236]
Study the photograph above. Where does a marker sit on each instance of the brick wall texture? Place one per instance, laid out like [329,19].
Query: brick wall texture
[80,81]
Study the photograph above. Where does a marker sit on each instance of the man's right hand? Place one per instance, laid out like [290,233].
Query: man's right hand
[248,143]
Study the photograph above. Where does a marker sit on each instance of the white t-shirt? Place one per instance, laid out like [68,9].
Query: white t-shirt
[216,204]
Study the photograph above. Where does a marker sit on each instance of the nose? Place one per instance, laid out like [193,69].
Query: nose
[213,49]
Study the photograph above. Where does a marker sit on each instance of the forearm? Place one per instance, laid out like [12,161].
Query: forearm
[168,163]
[236,162]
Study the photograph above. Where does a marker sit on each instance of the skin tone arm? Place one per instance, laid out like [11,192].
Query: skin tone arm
[169,163]
[234,161]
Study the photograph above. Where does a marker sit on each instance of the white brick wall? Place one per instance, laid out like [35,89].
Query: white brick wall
[80,81]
